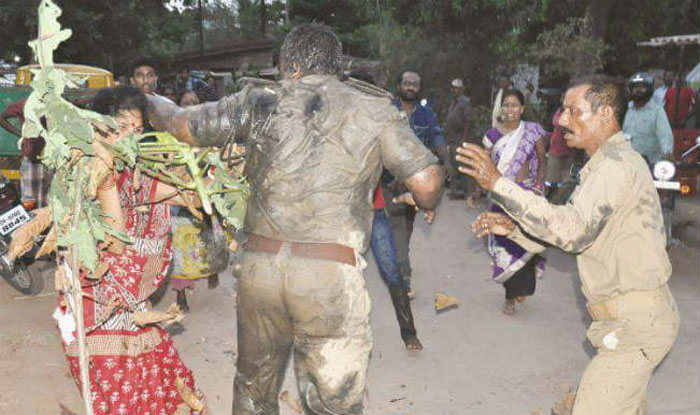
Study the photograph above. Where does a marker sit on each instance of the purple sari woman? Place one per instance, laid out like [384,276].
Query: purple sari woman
[518,148]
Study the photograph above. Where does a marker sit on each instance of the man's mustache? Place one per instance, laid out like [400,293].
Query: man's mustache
[567,131]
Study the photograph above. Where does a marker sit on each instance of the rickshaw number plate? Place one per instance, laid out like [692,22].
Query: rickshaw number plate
[12,219]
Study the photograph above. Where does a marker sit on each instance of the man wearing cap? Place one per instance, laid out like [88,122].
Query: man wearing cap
[457,132]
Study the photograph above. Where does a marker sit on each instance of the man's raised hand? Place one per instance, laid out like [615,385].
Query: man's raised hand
[407,198]
[476,162]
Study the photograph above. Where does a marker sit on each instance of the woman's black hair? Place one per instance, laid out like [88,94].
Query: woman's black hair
[109,101]
[514,93]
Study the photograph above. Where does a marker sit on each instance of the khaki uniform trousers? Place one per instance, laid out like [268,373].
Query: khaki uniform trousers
[629,347]
[316,308]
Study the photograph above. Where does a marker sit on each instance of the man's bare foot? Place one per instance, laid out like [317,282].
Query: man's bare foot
[471,203]
[509,307]
[412,343]
[182,301]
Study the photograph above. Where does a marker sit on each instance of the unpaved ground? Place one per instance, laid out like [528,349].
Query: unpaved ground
[476,360]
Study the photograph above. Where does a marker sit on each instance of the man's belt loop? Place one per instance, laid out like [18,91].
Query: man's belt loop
[602,311]
[328,251]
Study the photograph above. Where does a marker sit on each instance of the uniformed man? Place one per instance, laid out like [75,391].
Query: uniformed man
[316,150]
[613,223]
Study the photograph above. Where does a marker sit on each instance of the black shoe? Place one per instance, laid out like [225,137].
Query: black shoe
[182,301]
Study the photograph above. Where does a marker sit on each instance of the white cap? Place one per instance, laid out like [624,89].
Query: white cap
[457,83]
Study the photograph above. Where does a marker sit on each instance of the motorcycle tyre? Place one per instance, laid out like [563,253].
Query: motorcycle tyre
[22,279]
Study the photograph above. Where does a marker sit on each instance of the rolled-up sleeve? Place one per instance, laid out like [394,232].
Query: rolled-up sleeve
[400,150]
[213,123]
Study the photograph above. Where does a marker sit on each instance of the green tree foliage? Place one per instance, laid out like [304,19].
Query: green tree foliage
[108,34]
[583,53]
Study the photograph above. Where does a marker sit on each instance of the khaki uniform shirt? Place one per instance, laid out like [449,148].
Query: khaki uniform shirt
[316,147]
[613,222]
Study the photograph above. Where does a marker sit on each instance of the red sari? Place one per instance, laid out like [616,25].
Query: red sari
[133,370]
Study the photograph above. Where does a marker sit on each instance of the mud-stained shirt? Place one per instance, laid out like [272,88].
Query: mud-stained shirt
[613,222]
[316,148]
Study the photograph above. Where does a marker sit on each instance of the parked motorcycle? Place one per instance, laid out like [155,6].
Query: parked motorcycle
[664,172]
[14,214]
[668,184]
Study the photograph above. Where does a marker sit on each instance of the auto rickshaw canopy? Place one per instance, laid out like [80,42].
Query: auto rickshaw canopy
[93,78]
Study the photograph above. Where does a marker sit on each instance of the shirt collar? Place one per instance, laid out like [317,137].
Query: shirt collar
[416,106]
[615,141]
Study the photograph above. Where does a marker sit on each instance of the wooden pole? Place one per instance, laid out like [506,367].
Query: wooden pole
[77,292]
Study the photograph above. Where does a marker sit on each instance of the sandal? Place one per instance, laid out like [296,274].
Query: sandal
[509,307]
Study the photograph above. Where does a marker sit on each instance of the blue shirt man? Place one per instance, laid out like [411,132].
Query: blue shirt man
[424,122]
[425,125]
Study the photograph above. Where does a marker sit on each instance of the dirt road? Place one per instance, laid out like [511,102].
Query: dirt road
[476,360]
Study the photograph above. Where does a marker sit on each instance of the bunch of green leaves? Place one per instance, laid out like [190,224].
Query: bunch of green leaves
[69,134]
[161,155]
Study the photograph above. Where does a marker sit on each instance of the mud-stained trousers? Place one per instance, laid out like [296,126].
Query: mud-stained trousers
[629,348]
[316,308]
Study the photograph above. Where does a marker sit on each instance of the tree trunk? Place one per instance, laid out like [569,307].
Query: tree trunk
[598,14]
[263,17]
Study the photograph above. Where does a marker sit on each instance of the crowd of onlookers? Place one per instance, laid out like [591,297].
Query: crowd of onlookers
[187,88]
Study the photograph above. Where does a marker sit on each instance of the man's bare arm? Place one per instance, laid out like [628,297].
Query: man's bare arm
[426,186]
[164,115]
[205,125]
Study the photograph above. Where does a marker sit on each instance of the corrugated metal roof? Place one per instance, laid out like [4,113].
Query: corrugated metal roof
[672,40]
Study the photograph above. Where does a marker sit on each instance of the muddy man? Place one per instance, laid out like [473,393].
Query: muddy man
[316,147]
[613,223]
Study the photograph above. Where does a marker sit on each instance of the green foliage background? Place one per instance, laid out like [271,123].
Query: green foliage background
[443,39]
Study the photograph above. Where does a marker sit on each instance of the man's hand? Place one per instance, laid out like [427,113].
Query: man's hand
[492,223]
[476,162]
[407,198]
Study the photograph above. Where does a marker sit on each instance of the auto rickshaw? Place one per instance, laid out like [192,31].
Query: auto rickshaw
[91,79]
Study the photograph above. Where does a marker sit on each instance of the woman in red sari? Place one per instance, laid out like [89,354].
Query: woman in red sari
[134,369]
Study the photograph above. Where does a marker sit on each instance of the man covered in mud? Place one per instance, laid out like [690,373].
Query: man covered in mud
[613,223]
[316,147]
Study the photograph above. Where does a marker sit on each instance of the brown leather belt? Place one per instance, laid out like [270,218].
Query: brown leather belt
[327,251]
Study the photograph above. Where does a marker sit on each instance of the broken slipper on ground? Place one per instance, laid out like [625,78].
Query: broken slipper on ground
[444,302]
